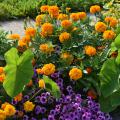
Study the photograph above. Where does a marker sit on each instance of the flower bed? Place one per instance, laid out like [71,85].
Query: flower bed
[58,70]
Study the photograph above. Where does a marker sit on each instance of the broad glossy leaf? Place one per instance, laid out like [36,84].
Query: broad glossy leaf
[109,78]
[117,41]
[18,71]
[52,87]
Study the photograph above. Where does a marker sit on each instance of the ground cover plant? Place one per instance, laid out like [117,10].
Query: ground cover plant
[57,69]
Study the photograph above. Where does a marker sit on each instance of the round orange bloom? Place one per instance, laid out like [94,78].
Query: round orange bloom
[2,115]
[53,11]
[67,56]
[108,34]
[100,27]
[41,83]
[94,9]
[46,29]
[74,16]
[10,110]
[14,36]
[91,93]
[90,51]
[2,77]
[81,15]
[22,43]
[48,69]
[30,31]
[26,39]
[18,97]
[1,70]
[39,71]
[108,19]
[39,19]
[44,8]
[62,17]
[4,105]
[66,24]
[75,74]
[113,22]
[64,37]
[28,106]
[46,48]
[30,84]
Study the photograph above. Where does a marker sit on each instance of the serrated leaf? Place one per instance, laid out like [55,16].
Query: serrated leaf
[52,87]
[18,71]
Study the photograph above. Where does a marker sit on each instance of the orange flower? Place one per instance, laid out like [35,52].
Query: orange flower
[30,31]
[108,19]
[30,84]
[2,115]
[18,97]
[22,43]
[26,39]
[94,9]
[113,22]
[4,105]
[1,70]
[66,24]
[64,37]
[53,11]
[2,77]
[91,93]
[46,29]
[90,51]
[74,16]
[39,71]
[44,8]
[46,48]
[75,74]
[82,15]
[108,34]
[62,17]
[41,83]
[14,36]
[48,69]
[100,27]
[39,19]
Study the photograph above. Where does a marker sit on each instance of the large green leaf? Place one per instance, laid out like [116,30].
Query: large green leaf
[18,71]
[109,78]
[52,87]
[117,41]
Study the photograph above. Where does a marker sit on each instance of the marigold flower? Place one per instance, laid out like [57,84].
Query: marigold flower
[74,16]
[100,27]
[28,106]
[108,19]
[30,83]
[53,11]
[14,36]
[18,97]
[92,94]
[22,43]
[108,34]
[94,9]
[39,71]
[2,115]
[30,31]
[90,51]
[81,15]
[41,83]
[44,8]
[48,69]
[62,17]
[75,74]
[46,48]
[64,37]
[1,70]
[26,39]
[113,22]
[66,24]
[2,77]
[10,110]
[39,19]
[4,105]
[46,29]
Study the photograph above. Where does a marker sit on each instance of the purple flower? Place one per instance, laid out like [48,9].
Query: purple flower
[43,100]
[37,109]
[25,117]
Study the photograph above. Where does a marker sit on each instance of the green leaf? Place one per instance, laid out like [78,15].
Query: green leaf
[105,104]
[109,78]
[18,71]
[117,41]
[118,58]
[52,87]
